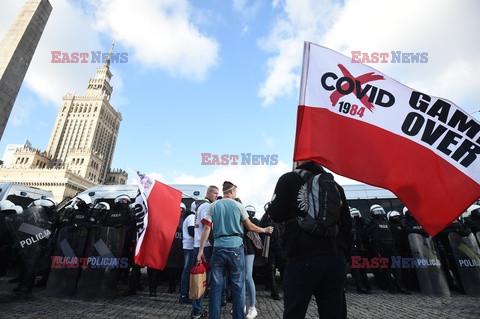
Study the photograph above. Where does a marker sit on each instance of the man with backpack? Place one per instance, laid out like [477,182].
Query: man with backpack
[317,239]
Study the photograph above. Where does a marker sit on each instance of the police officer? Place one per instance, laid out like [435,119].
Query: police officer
[6,242]
[446,254]
[381,244]
[358,249]
[473,219]
[410,225]
[78,212]
[120,216]
[98,213]
[27,276]
[276,257]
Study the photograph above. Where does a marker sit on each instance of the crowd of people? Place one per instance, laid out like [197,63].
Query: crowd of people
[221,231]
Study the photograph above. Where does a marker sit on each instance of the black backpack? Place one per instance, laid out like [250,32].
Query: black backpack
[320,200]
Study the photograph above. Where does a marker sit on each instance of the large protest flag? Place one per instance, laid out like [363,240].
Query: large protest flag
[362,124]
[157,210]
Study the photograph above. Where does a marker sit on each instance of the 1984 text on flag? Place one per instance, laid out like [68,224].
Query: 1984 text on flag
[364,125]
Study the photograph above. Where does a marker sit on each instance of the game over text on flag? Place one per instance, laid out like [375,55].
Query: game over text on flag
[362,124]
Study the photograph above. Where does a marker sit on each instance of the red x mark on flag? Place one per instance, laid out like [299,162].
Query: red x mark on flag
[362,79]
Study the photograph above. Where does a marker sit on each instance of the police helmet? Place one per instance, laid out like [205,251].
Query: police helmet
[355,212]
[393,214]
[47,202]
[6,205]
[122,198]
[102,206]
[377,210]
[474,210]
[81,201]
[250,210]
[183,207]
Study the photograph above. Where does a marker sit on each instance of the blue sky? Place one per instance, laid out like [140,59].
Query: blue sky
[222,77]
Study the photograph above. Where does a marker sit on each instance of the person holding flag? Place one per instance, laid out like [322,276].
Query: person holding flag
[157,215]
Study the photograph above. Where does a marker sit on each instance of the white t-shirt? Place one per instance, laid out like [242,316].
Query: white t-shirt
[201,212]
[187,239]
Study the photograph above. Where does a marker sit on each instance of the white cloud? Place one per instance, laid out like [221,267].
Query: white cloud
[446,30]
[160,33]
[301,20]
[256,183]
[271,142]
[247,9]
[67,30]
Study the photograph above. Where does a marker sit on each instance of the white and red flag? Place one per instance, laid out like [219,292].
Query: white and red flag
[360,123]
[157,210]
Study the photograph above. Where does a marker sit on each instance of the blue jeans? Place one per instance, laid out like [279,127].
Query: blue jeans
[188,262]
[321,276]
[249,279]
[232,261]
[197,304]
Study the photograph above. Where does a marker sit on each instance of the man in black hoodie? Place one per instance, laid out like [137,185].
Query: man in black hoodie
[315,264]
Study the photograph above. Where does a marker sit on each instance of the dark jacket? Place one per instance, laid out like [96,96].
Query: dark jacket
[297,243]
[276,236]
[247,242]
[473,222]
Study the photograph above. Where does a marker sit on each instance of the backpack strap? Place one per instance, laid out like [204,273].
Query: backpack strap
[304,173]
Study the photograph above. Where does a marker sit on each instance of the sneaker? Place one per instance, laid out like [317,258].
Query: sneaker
[202,316]
[252,313]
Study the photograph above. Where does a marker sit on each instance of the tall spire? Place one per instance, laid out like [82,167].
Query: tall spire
[107,63]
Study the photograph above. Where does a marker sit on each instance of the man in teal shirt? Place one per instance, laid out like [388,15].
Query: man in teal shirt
[226,217]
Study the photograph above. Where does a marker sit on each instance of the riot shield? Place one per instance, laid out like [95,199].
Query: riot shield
[104,261]
[67,261]
[30,232]
[467,257]
[431,277]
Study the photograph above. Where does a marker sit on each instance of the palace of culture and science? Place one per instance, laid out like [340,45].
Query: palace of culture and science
[80,149]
